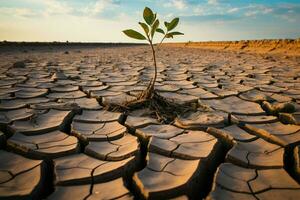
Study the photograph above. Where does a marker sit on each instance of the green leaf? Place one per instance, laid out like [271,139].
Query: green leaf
[176,33]
[173,24]
[145,27]
[169,35]
[154,17]
[154,27]
[134,34]
[148,16]
[160,31]
[166,24]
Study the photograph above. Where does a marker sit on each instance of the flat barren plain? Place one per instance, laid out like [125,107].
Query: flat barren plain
[60,137]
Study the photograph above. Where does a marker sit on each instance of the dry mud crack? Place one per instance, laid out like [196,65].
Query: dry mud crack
[58,140]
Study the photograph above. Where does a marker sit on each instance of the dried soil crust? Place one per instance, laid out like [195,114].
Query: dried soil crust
[225,126]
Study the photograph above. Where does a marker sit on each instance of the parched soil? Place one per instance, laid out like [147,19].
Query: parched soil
[287,47]
[60,139]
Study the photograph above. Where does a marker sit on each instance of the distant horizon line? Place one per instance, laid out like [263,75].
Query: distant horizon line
[89,42]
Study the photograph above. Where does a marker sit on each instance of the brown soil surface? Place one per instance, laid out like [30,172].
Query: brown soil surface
[287,47]
[59,140]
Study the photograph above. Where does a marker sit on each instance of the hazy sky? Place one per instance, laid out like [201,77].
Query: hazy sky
[103,20]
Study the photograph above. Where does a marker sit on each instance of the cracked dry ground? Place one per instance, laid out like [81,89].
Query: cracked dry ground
[59,142]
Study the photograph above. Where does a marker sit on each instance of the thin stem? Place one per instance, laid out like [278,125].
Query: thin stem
[161,41]
[150,42]
[149,91]
[155,66]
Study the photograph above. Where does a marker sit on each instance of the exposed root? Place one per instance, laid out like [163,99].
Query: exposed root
[165,111]
[148,93]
